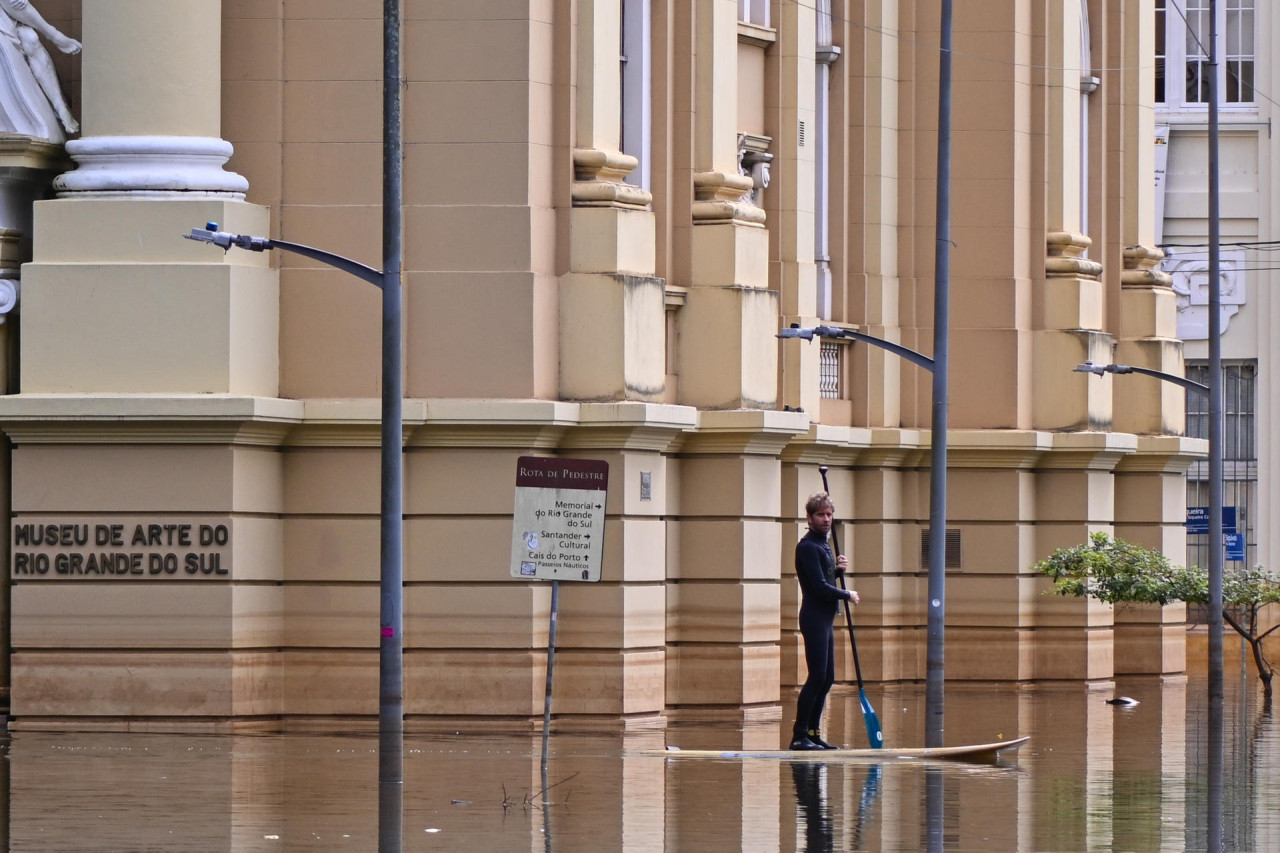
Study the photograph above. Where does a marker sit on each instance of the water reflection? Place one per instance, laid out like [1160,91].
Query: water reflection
[811,806]
[1093,778]
[813,811]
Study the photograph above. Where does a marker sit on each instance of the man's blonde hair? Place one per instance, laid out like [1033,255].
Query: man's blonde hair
[817,501]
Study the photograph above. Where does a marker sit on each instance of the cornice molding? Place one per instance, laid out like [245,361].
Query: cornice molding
[744,431]
[1164,454]
[147,419]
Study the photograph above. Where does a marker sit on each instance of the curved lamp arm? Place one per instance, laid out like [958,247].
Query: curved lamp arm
[1101,369]
[808,334]
[225,240]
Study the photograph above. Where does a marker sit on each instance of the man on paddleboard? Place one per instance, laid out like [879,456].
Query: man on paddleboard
[820,598]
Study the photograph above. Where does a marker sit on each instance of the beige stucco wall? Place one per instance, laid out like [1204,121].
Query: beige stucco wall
[551,308]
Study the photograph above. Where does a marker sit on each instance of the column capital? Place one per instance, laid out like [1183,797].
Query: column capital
[599,180]
[1141,268]
[1065,256]
[724,197]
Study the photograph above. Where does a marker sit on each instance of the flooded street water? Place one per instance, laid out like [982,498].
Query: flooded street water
[1094,777]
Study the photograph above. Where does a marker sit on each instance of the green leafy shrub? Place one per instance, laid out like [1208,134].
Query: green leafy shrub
[1119,572]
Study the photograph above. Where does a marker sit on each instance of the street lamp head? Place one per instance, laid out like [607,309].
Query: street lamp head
[830,332]
[794,331]
[225,240]
[1090,367]
[210,234]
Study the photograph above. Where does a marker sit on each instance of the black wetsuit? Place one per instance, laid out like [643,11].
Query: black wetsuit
[819,600]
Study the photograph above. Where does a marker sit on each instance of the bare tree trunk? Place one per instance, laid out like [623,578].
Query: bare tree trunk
[1265,669]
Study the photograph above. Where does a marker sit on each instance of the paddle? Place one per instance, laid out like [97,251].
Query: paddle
[875,737]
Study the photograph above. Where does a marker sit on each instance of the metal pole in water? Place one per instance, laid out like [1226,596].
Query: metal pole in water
[546,714]
[935,675]
[551,661]
[1216,672]
[391,578]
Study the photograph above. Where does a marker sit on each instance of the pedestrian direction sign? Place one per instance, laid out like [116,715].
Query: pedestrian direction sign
[557,532]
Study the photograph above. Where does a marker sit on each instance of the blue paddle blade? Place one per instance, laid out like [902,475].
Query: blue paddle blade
[875,737]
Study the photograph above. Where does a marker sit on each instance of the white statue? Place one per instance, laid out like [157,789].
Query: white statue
[31,101]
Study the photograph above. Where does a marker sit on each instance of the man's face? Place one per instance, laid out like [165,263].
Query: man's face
[821,520]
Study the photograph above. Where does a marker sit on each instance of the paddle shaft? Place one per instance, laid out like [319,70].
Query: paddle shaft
[875,736]
[848,614]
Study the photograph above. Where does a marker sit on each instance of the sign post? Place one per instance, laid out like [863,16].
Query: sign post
[557,533]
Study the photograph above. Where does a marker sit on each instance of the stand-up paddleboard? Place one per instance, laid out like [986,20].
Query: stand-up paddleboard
[982,753]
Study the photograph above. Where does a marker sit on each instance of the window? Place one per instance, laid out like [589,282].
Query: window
[1196,51]
[1239,453]
[1239,52]
[1182,34]
[1088,85]
[754,12]
[826,54]
[829,370]
[637,109]
[1161,57]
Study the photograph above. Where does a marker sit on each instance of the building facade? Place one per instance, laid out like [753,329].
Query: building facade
[1247,87]
[611,208]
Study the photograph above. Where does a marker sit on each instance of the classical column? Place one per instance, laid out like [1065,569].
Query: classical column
[1151,499]
[874,161]
[723,618]
[612,311]
[1148,330]
[1070,301]
[728,356]
[802,59]
[152,77]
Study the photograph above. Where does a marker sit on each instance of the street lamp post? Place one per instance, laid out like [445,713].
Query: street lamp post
[391,575]
[1216,671]
[391,510]
[1217,676]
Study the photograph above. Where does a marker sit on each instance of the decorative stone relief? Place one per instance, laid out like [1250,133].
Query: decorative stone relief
[31,99]
[754,161]
[8,293]
[1190,273]
[10,262]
